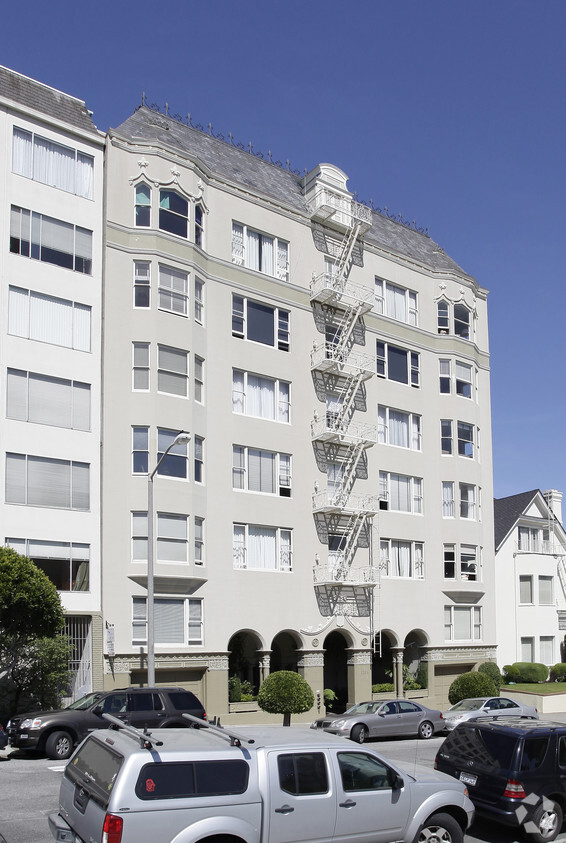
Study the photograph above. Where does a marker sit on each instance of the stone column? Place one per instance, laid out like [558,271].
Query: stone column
[398,671]
[310,665]
[264,661]
[216,684]
[359,675]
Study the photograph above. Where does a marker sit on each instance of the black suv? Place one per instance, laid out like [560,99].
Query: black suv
[515,771]
[57,732]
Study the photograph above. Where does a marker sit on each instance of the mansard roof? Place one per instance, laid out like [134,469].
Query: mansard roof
[39,97]
[249,171]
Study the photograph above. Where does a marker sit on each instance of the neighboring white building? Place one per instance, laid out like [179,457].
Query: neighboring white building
[530,548]
[332,512]
[51,181]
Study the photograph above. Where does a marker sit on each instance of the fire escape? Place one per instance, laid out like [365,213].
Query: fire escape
[343,585]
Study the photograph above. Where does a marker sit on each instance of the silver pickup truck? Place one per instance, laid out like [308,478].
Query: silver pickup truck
[269,785]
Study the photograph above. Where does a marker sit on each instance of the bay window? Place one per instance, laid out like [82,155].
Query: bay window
[463,623]
[176,621]
[171,537]
[173,213]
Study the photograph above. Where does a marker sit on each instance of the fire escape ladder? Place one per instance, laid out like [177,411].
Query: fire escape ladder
[349,467]
[345,259]
[355,526]
[348,396]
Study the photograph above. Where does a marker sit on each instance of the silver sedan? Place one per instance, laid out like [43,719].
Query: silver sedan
[383,719]
[474,707]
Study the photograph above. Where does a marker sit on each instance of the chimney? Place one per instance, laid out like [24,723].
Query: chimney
[554,501]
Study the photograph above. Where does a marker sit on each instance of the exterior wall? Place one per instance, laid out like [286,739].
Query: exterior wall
[262,603]
[48,523]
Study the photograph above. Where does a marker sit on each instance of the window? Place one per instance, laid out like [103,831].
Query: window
[199,225]
[142,284]
[143,205]
[173,290]
[469,497]
[262,548]
[66,564]
[261,471]
[395,427]
[534,539]
[257,322]
[199,459]
[446,443]
[264,398]
[546,591]
[172,370]
[173,213]
[526,589]
[402,558]
[527,649]
[462,623]
[140,450]
[465,440]
[455,319]
[35,316]
[176,621]
[199,380]
[463,381]
[447,499]
[199,540]
[199,301]
[50,240]
[183,779]
[396,302]
[468,565]
[302,773]
[39,481]
[140,366]
[547,649]
[397,364]
[171,541]
[45,400]
[360,771]
[52,163]
[400,493]
[260,251]
[175,463]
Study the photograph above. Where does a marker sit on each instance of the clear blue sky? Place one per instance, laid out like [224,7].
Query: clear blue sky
[451,113]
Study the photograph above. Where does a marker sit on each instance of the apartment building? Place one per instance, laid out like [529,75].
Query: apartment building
[51,181]
[331,368]
[530,558]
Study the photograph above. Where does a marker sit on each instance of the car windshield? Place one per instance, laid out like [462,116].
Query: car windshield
[85,701]
[467,705]
[363,708]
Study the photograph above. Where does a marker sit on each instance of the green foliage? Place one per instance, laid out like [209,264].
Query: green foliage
[234,689]
[247,688]
[558,672]
[247,698]
[422,675]
[409,682]
[490,669]
[381,687]
[511,673]
[471,684]
[29,603]
[285,692]
[41,677]
[531,671]
[329,698]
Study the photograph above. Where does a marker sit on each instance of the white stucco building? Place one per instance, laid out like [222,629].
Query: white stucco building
[51,180]
[530,578]
[332,511]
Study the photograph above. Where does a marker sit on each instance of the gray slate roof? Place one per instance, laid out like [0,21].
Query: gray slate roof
[247,170]
[507,512]
[42,98]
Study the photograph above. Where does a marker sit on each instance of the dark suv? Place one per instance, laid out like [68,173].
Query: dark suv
[57,732]
[515,771]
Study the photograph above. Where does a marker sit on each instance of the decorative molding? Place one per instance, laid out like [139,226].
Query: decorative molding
[461,654]
[310,659]
[208,661]
[143,164]
[359,657]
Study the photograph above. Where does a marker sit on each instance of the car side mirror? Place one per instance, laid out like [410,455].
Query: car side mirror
[97,709]
[397,781]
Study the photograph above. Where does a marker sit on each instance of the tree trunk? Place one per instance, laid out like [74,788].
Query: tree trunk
[287,718]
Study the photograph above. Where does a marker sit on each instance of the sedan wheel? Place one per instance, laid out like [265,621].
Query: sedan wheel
[426,730]
[359,733]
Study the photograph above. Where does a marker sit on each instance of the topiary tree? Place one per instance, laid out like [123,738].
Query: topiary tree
[511,673]
[471,684]
[558,672]
[490,669]
[285,692]
[531,671]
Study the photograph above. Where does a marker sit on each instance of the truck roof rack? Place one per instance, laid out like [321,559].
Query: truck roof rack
[146,741]
[233,738]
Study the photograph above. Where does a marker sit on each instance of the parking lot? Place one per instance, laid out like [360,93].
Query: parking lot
[29,787]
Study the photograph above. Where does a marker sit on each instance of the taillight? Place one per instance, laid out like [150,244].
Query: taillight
[514,789]
[112,829]
[441,716]
[204,715]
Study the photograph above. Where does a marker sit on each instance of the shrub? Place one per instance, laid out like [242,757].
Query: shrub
[422,675]
[247,688]
[531,671]
[247,698]
[511,673]
[285,692]
[234,689]
[471,684]
[382,687]
[558,672]
[490,669]
[329,698]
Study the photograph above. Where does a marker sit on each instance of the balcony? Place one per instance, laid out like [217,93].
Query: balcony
[542,547]
[333,573]
[338,210]
[331,429]
[329,501]
[327,357]
[332,289]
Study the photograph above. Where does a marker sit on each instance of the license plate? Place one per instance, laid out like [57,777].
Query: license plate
[23,737]
[468,778]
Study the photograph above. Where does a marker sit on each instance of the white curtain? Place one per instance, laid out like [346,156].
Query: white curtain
[238,397]
[447,499]
[382,425]
[21,153]
[252,249]
[401,559]
[284,402]
[261,397]
[239,546]
[81,327]
[267,255]
[400,486]
[282,261]
[17,395]
[51,320]
[398,429]
[416,433]
[396,307]
[54,164]
[84,175]
[262,545]
[237,244]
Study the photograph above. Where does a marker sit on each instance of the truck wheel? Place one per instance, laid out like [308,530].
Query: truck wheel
[546,822]
[426,730]
[440,828]
[359,733]
[59,745]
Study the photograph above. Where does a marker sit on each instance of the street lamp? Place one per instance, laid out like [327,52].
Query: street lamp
[182,438]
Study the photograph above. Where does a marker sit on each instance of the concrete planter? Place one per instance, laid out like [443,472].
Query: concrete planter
[545,703]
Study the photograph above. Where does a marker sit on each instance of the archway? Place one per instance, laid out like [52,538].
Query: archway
[415,668]
[243,660]
[336,669]
[283,653]
[382,660]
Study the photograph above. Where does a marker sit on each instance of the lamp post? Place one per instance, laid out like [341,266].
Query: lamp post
[182,438]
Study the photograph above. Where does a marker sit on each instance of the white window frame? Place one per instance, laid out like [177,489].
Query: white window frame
[171,297]
[141,366]
[165,371]
[51,158]
[241,398]
[142,284]
[462,562]
[387,298]
[163,538]
[448,322]
[141,190]
[37,481]
[466,446]
[77,554]
[191,606]
[281,322]
[386,420]
[469,501]
[198,379]
[474,624]
[527,648]
[165,213]
[198,459]
[244,255]
[36,236]
[199,301]
[199,539]
[38,399]
[391,485]
[448,500]
[526,592]
[41,318]
[446,437]
[383,363]
[282,544]
[546,649]
[547,591]
[281,471]
[390,559]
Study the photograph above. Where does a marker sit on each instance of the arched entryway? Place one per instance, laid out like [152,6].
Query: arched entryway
[336,669]
[244,659]
[415,666]
[382,659]
[283,653]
